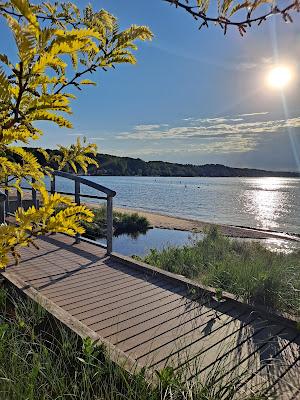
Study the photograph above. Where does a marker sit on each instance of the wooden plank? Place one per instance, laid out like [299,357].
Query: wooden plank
[274,366]
[154,320]
[285,385]
[109,310]
[108,296]
[78,276]
[73,279]
[248,356]
[139,316]
[81,268]
[231,350]
[43,271]
[188,341]
[107,315]
[92,283]
[118,301]
[45,266]
[163,334]
[107,290]
[46,269]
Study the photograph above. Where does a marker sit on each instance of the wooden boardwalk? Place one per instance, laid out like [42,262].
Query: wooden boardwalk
[154,318]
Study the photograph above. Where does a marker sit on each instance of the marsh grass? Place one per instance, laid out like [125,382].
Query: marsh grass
[122,223]
[40,359]
[247,269]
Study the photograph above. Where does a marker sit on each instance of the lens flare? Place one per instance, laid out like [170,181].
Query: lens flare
[279,77]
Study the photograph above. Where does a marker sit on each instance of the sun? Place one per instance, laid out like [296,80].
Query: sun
[279,77]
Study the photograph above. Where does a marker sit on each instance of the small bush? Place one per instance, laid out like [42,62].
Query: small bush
[130,223]
[122,223]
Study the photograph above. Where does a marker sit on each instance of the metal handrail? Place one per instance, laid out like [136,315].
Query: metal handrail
[86,182]
[78,180]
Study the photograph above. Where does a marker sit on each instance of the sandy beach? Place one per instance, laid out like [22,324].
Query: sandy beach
[158,220]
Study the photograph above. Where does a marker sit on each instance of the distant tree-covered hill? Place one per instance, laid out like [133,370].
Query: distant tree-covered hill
[126,166]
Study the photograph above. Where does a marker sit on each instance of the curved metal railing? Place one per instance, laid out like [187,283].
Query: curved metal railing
[78,181]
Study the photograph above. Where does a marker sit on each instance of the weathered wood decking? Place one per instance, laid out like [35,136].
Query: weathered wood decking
[147,317]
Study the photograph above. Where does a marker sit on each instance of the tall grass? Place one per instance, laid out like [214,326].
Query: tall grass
[40,359]
[247,269]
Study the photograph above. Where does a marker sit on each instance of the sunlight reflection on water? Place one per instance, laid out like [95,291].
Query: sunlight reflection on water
[266,202]
[281,245]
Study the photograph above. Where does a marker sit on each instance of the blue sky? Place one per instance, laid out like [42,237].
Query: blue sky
[194,96]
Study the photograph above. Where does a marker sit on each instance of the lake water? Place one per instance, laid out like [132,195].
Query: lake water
[153,239]
[268,203]
[160,238]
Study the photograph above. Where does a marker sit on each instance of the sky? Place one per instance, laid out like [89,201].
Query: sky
[194,96]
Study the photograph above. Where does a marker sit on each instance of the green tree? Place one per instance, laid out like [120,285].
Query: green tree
[57,45]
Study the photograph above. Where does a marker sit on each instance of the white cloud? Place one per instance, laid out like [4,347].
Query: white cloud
[220,135]
[239,144]
[244,66]
[218,120]
[146,127]
[75,134]
[210,127]
[254,114]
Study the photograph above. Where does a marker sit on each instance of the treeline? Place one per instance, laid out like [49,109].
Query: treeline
[126,166]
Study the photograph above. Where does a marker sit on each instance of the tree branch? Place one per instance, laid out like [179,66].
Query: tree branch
[45,17]
[92,68]
[224,22]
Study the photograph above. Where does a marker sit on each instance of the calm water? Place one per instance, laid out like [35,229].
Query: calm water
[153,239]
[161,238]
[269,203]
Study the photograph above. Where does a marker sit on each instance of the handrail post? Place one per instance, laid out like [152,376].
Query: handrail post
[77,201]
[7,197]
[33,193]
[77,192]
[19,199]
[52,187]
[3,198]
[109,224]
[52,184]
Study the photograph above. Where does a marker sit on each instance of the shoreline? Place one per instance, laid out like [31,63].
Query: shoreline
[163,221]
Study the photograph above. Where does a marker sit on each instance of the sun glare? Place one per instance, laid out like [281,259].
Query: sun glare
[279,77]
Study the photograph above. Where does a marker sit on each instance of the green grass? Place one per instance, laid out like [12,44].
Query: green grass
[123,223]
[246,269]
[40,359]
